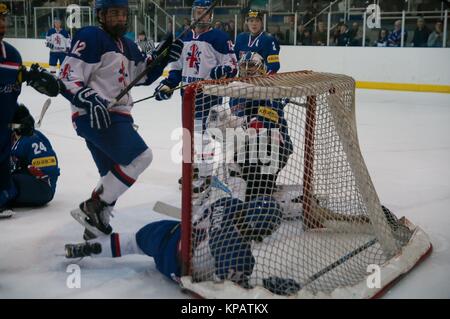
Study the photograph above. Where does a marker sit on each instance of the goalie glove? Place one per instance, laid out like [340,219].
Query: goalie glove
[40,79]
[95,106]
[164,90]
[221,72]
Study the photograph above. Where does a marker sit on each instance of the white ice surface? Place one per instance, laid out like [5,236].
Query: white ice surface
[404,137]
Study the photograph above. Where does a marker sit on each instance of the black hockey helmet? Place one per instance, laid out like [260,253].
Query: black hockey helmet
[23,121]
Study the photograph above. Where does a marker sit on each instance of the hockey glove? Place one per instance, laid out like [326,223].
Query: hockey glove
[96,107]
[49,45]
[175,51]
[164,90]
[221,72]
[40,79]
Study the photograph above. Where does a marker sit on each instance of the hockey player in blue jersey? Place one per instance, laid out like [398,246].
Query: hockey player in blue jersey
[35,168]
[58,40]
[223,233]
[101,63]
[207,54]
[257,40]
[12,75]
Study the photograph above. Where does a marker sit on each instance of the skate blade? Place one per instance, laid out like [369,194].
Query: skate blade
[81,217]
[6,214]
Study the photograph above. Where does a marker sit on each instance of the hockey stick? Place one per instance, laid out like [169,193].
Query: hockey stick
[152,96]
[340,261]
[43,111]
[160,57]
[167,209]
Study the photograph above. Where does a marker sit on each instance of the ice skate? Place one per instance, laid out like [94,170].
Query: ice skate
[82,250]
[94,215]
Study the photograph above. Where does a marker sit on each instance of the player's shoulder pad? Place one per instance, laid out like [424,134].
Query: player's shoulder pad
[39,135]
[220,41]
[12,54]
[65,33]
[87,44]
[51,31]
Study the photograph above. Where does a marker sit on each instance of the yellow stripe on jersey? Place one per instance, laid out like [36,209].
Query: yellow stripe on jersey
[268,113]
[273,58]
[44,161]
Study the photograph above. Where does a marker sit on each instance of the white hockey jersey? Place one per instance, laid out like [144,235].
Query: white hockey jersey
[201,53]
[105,65]
[58,41]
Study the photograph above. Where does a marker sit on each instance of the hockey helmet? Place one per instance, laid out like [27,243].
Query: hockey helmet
[3,9]
[204,4]
[259,218]
[23,122]
[254,14]
[105,4]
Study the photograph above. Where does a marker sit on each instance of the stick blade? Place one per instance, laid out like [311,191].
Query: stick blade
[43,111]
[167,209]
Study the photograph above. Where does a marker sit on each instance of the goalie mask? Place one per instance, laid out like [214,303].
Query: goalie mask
[198,7]
[252,64]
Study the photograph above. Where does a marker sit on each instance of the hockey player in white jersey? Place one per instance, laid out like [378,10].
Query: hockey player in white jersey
[99,66]
[207,54]
[58,40]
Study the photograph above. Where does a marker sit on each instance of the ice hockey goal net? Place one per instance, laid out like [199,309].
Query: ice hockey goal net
[326,234]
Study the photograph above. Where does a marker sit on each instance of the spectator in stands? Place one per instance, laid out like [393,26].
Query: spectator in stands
[307,37]
[320,37]
[186,24]
[395,38]
[355,35]
[300,34]
[278,34]
[289,37]
[230,29]
[343,39]
[435,39]
[218,25]
[382,40]
[421,34]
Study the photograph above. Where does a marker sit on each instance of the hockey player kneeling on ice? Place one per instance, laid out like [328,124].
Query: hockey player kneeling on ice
[260,120]
[232,227]
[100,65]
[35,168]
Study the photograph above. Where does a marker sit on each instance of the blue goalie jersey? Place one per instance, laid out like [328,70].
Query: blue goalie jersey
[263,44]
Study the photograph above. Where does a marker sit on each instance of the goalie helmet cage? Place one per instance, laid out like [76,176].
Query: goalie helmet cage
[333,228]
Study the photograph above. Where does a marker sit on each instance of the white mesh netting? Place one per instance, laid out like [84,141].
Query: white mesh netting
[281,198]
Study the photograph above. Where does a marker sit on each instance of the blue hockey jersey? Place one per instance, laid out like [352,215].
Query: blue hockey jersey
[264,44]
[270,113]
[10,61]
[58,41]
[201,53]
[37,151]
[105,65]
